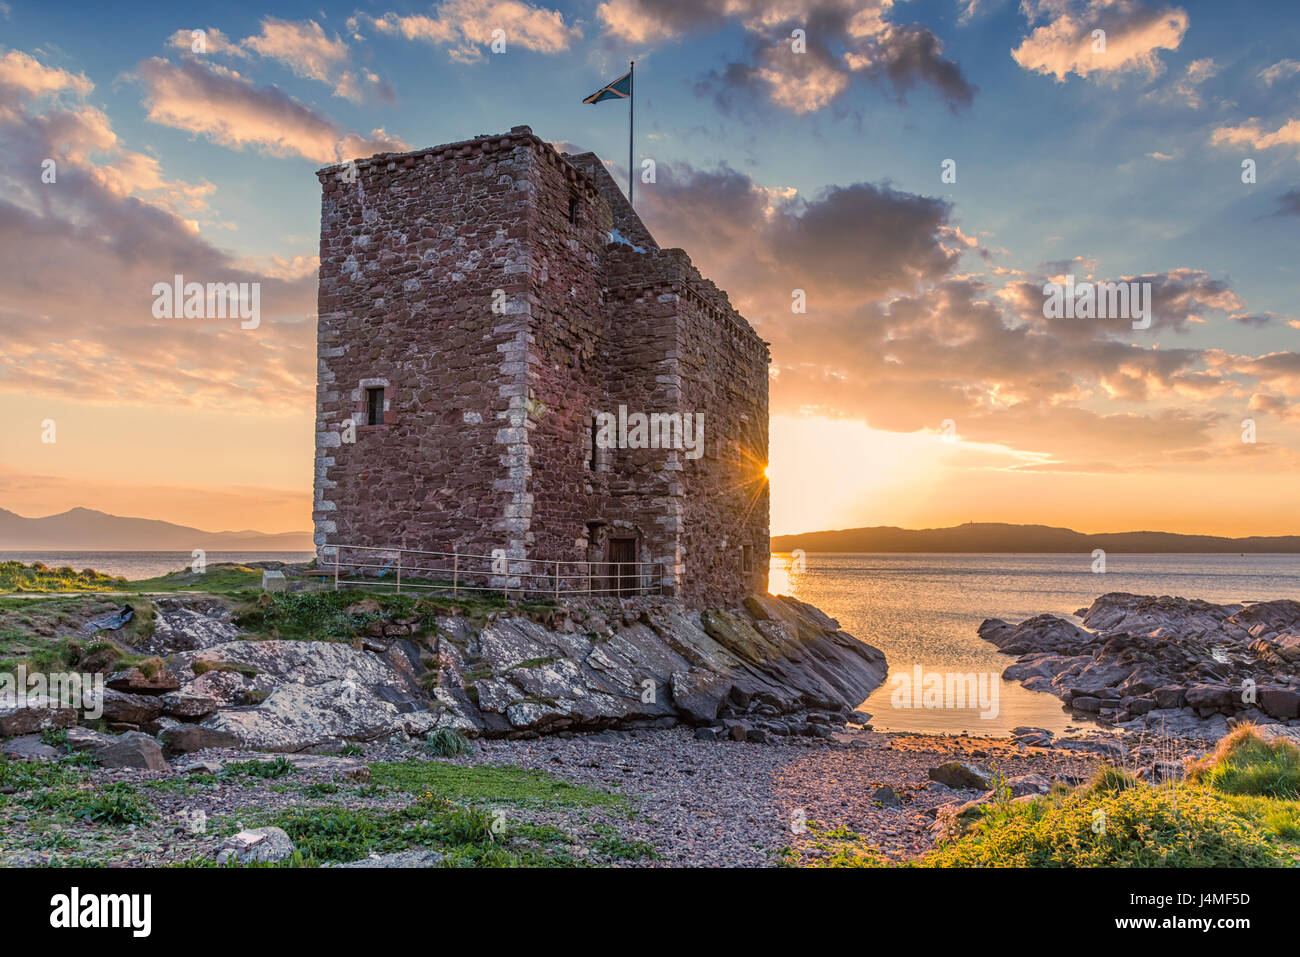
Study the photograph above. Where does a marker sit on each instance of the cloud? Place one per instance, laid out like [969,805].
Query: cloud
[895,334]
[1281,70]
[841,39]
[1063,41]
[23,77]
[301,45]
[82,255]
[465,27]
[228,109]
[1252,134]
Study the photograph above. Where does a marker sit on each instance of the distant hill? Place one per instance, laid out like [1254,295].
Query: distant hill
[994,537]
[88,530]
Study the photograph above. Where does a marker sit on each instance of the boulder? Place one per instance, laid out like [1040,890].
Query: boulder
[189,706]
[127,708]
[131,750]
[263,845]
[887,796]
[1209,697]
[134,681]
[956,774]
[1282,703]
[187,738]
[29,747]
[35,714]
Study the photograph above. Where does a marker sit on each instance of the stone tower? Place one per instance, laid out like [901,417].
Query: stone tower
[486,309]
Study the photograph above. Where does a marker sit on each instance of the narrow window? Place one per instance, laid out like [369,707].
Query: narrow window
[746,558]
[375,406]
[573,209]
[591,462]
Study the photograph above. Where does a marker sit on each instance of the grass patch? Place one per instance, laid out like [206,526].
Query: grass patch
[620,848]
[44,634]
[276,768]
[1136,826]
[348,614]
[502,783]
[36,577]
[1245,764]
[466,836]
[220,579]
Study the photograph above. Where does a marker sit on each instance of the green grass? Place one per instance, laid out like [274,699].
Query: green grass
[43,633]
[219,579]
[1237,808]
[620,848]
[347,614]
[468,837]
[1138,826]
[488,783]
[275,768]
[36,577]
[1245,764]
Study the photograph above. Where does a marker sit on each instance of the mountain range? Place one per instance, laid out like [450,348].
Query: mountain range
[995,537]
[85,529]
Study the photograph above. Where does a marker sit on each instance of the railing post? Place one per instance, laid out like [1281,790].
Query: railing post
[336,568]
[455,572]
[399,572]
[557,581]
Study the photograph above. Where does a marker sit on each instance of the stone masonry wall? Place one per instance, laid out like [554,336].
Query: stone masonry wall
[411,253]
[477,285]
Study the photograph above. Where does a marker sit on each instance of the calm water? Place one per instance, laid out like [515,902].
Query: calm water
[135,565]
[924,609]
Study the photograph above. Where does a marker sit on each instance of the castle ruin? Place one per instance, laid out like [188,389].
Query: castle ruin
[482,306]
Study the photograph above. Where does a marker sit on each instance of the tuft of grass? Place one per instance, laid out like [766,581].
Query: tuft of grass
[115,805]
[1108,779]
[1245,764]
[448,743]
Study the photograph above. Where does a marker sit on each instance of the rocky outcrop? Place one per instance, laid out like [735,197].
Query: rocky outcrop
[773,666]
[1180,666]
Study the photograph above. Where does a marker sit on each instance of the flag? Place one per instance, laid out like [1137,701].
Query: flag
[620,89]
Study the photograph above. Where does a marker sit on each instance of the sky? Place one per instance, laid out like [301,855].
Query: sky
[920,170]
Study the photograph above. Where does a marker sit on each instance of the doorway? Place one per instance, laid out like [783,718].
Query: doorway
[620,557]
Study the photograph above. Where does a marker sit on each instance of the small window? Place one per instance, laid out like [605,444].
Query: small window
[592,461]
[573,209]
[746,558]
[375,406]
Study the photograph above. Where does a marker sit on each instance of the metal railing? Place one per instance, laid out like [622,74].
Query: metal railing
[455,572]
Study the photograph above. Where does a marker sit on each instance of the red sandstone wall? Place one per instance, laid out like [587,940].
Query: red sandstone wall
[487,438]
[410,255]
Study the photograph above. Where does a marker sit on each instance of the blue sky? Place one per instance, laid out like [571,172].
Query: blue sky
[1124,162]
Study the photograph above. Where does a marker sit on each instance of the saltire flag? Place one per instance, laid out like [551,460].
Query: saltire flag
[620,89]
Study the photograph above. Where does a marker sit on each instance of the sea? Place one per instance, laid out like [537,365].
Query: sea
[921,610]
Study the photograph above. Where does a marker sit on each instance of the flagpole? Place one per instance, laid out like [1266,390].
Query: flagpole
[631,114]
